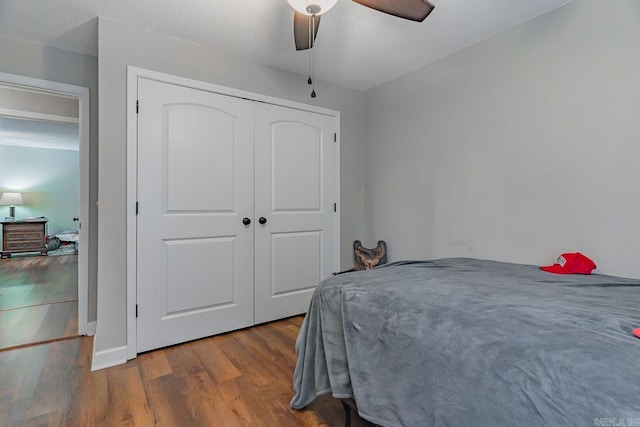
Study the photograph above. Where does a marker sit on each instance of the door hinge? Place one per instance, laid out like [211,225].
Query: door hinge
[137,208]
[335,207]
[137,106]
[335,137]
[136,310]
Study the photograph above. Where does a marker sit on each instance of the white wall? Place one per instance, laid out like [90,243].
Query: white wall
[47,63]
[120,45]
[51,180]
[519,148]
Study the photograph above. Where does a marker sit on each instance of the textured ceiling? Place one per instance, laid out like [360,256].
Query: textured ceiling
[356,47]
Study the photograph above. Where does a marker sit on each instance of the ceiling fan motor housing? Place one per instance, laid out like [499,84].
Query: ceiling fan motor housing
[313,9]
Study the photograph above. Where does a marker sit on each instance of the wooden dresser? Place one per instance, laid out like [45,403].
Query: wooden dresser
[23,236]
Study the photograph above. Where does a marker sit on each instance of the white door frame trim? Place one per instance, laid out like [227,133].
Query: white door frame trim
[133,74]
[81,93]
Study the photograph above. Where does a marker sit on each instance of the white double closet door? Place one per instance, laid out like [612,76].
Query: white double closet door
[207,165]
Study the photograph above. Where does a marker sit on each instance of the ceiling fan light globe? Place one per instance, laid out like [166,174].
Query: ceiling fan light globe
[307,7]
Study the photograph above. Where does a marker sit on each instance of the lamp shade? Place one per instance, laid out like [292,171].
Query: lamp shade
[11,199]
[312,7]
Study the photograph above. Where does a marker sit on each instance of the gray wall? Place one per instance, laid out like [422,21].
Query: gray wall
[519,148]
[51,177]
[37,102]
[120,45]
[47,63]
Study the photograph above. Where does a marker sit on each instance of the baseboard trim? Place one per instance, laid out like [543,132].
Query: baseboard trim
[107,358]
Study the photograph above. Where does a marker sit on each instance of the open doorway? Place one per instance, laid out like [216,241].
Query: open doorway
[44,155]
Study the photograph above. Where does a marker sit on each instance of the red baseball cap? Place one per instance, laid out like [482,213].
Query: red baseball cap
[573,263]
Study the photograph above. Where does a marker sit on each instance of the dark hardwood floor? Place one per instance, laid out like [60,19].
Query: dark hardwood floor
[242,378]
[38,299]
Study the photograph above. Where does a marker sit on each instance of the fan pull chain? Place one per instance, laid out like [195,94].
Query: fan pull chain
[309,81]
[313,57]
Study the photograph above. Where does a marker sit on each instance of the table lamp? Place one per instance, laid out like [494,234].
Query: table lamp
[11,199]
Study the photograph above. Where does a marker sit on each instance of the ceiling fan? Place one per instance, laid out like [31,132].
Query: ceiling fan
[306,18]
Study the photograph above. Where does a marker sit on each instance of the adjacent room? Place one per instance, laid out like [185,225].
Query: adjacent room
[241,156]
[40,164]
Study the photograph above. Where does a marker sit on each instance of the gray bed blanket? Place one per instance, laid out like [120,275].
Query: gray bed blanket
[466,342]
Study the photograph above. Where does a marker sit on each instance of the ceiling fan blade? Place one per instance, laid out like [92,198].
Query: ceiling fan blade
[415,10]
[301,25]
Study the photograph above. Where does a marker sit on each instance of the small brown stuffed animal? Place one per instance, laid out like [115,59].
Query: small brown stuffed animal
[366,259]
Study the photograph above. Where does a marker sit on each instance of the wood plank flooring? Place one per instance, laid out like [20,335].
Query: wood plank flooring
[38,299]
[242,378]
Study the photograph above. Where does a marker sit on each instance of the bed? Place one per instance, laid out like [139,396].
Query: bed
[68,238]
[462,341]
